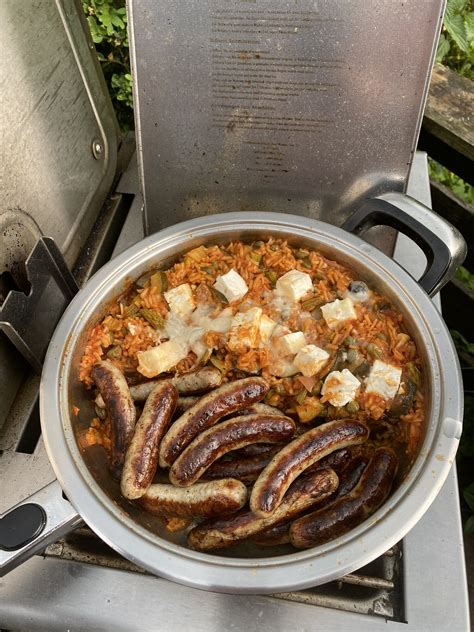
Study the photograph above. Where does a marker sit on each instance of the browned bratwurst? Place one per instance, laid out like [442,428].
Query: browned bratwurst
[226,436]
[199,381]
[119,404]
[304,493]
[301,453]
[350,510]
[243,468]
[275,536]
[224,400]
[215,498]
[348,479]
[141,459]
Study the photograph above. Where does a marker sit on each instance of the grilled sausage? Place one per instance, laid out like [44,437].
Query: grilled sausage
[304,493]
[265,409]
[199,381]
[195,382]
[348,479]
[226,436]
[243,468]
[275,536]
[119,404]
[255,449]
[141,459]
[350,510]
[215,498]
[338,461]
[185,403]
[301,453]
[223,401]
[351,474]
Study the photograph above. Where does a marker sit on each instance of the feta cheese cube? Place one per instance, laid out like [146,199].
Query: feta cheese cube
[338,312]
[282,367]
[340,388]
[266,328]
[310,359]
[231,285]
[294,285]
[245,329]
[161,358]
[383,380]
[290,344]
[181,300]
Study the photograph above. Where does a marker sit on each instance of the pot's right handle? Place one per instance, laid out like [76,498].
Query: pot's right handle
[442,243]
[34,523]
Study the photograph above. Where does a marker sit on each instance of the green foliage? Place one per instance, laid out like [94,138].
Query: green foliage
[107,21]
[442,175]
[467,278]
[456,44]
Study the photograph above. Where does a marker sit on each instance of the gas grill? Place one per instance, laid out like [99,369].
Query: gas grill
[239,157]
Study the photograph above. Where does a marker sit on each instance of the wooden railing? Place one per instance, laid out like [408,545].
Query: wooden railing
[447,135]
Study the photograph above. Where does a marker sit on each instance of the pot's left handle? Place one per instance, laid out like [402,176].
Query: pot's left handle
[442,243]
[34,523]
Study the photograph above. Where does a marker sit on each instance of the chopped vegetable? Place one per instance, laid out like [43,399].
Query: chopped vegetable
[373,350]
[197,254]
[143,280]
[155,320]
[310,409]
[160,281]
[414,373]
[301,396]
[312,303]
[114,352]
[352,407]
[217,362]
[219,296]
[272,277]
[403,400]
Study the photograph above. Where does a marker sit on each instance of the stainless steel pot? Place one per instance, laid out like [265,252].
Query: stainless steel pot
[140,537]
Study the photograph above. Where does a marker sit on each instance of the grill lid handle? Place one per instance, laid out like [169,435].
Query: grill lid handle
[48,516]
[442,243]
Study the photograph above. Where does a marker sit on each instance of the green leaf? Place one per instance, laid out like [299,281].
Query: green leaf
[443,48]
[455,26]
[463,275]
[454,6]
[461,343]
[469,26]
[469,526]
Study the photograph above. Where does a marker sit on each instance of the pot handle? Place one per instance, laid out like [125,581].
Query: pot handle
[442,243]
[33,524]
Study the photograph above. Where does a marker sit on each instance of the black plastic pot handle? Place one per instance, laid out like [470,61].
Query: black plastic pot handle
[442,243]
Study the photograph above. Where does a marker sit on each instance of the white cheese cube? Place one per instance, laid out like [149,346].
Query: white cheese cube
[340,388]
[291,343]
[231,285]
[383,380]
[338,312]
[282,367]
[161,358]
[181,300]
[294,285]
[245,329]
[266,328]
[310,359]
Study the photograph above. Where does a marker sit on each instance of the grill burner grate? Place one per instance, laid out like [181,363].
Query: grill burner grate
[375,589]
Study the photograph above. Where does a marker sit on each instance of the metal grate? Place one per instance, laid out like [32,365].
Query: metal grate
[375,589]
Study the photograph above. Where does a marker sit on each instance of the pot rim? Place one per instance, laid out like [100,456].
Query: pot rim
[270,574]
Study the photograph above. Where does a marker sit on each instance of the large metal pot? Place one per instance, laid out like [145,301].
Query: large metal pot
[140,537]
